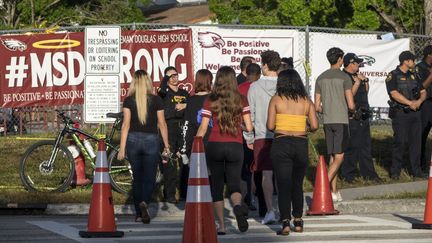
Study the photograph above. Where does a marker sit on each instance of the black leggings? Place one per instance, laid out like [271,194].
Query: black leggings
[224,161]
[289,156]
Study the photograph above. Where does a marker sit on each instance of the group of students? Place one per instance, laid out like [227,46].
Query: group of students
[250,131]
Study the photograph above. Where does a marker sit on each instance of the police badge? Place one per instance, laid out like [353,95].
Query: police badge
[389,77]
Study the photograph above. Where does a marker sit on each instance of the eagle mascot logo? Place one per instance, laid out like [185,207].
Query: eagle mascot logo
[13,45]
[210,39]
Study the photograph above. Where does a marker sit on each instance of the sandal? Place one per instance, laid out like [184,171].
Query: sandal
[285,228]
[298,225]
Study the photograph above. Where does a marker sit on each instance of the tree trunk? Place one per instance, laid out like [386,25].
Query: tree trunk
[9,10]
[32,13]
[390,20]
[428,16]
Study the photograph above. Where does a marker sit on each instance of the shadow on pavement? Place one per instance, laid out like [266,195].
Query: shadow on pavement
[408,219]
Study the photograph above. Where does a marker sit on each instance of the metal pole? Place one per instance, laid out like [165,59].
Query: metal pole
[308,88]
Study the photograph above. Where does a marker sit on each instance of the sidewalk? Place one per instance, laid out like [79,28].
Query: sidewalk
[350,205]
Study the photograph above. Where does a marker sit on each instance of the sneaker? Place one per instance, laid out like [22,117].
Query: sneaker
[334,197]
[241,213]
[269,218]
[145,216]
[339,196]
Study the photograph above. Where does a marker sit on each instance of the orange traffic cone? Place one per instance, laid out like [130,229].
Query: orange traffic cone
[322,202]
[101,222]
[199,224]
[427,222]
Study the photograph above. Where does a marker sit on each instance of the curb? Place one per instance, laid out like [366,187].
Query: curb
[32,206]
[381,206]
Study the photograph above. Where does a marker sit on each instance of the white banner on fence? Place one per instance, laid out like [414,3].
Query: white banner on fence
[380,57]
[216,47]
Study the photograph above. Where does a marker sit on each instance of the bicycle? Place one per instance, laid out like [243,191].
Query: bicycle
[49,165]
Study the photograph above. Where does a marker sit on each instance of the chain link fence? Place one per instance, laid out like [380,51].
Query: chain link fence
[43,119]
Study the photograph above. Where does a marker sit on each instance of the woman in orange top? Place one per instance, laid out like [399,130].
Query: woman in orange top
[291,115]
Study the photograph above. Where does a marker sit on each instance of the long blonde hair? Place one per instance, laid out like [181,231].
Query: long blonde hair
[140,88]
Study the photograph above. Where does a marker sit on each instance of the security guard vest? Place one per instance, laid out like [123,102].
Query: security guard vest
[406,83]
[422,72]
[361,97]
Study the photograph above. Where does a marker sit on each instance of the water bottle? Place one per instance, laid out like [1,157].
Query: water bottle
[89,148]
[74,150]
[185,159]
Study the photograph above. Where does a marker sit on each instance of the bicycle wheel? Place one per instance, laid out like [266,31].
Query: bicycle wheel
[37,175]
[120,173]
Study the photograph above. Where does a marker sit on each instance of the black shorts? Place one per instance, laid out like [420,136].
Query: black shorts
[337,138]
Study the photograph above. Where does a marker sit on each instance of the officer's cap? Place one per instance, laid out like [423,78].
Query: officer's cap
[406,55]
[350,58]
[427,50]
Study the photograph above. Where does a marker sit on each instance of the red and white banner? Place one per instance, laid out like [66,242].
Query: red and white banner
[48,69]
[216,47]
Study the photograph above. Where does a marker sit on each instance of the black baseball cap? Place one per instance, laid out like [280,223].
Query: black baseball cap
[406,55]
[427,50]
[350,58]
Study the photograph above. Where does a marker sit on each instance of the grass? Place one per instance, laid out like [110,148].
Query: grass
[382,137]
[12,191]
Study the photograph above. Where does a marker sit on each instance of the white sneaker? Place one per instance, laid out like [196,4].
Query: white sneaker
[339,196]
[334,197]
[269,218]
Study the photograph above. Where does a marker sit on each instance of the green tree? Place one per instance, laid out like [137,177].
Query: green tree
[48,13]
[387,15]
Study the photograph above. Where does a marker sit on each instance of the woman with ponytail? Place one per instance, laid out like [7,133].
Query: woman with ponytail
[143,113]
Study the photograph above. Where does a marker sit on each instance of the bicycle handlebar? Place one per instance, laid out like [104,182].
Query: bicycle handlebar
[66,119]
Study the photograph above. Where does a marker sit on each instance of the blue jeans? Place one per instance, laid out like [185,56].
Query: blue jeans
[143,153]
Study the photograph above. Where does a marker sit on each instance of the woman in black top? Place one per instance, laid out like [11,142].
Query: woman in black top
[174,100]
[192,116]
[142,114]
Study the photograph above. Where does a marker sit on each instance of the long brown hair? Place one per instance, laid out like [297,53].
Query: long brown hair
[226,100]
[203,80]
[140,88]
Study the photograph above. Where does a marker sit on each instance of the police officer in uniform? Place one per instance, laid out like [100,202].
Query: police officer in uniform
[406,95]
[359,148]
[423,70]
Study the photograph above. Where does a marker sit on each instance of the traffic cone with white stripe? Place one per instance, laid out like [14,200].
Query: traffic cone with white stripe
[427,222]
[199,224]
[101,221]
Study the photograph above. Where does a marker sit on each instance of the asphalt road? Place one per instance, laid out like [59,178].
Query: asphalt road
[340,229]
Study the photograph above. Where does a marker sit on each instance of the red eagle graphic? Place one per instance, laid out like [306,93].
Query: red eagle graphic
[13,45]
[210,39]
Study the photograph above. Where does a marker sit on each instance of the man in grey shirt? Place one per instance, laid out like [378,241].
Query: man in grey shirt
[333,98]
[259,95]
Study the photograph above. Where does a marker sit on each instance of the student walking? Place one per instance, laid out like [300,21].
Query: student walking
[227,109]
[143,113]
[291,115]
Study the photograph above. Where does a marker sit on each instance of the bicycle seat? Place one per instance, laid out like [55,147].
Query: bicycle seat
[115,115]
